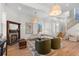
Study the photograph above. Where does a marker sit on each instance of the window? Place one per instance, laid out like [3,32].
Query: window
[0,27]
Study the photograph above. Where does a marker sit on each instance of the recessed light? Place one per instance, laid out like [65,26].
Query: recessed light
[19,8]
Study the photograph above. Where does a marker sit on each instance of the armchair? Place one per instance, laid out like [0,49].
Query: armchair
[43,45]
[55,43]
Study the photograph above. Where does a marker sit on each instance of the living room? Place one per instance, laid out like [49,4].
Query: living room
[32,22]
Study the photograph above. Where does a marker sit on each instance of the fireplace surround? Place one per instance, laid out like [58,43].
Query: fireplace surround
[13,37]
[13,32]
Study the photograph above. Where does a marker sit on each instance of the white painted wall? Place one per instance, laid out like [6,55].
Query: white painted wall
[25,14]
[13,15]
[0,19]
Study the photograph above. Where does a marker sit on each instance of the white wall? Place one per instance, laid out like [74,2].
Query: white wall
[22,14]
[14,15]
[0,19]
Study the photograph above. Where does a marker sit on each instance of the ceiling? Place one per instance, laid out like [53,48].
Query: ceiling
[46,7]
[42,9]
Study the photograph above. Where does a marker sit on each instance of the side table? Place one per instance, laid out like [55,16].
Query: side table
[22,44]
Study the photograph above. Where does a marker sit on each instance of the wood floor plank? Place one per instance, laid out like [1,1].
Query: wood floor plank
[69,48]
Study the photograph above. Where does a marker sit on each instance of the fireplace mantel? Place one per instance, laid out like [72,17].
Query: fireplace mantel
[13,35]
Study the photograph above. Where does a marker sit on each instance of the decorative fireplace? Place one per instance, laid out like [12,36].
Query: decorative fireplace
[13,37]
[13,32]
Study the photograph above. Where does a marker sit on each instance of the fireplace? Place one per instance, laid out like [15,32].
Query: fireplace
[13,32]
[13,38]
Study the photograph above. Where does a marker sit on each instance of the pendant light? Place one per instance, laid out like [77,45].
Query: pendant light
[55,10]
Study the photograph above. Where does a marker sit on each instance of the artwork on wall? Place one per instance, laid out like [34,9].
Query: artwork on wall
[29,28]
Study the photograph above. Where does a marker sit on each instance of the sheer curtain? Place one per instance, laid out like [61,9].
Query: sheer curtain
[0,28]
[0,20]
[55,28]
[49,28]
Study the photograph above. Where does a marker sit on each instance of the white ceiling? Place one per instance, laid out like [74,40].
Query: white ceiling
[45,7]
[42,9]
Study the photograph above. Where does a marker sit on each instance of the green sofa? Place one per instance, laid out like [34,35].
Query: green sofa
[43,45]
[55,43]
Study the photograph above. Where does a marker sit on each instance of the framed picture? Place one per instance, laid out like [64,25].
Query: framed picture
[29,28]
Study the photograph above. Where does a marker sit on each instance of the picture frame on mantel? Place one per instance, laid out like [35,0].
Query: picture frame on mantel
[29,28]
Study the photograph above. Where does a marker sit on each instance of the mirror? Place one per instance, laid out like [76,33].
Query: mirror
[13,26]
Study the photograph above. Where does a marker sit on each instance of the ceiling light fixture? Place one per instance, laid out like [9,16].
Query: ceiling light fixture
[55,10]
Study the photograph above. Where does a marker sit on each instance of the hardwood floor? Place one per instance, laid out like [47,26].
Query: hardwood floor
[15,51]
[68,48]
